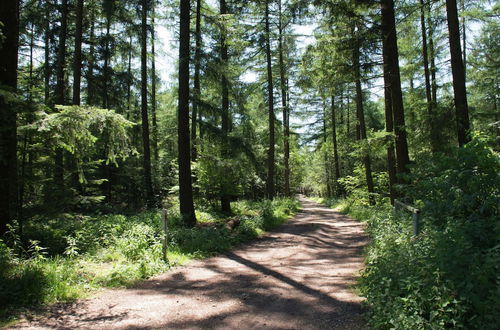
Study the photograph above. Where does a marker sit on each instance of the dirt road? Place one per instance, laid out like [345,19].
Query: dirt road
[297,277]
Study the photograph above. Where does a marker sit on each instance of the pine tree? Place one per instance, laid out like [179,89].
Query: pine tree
[185,183]
[148,186]
[9,16]
[270,185]
[458,72]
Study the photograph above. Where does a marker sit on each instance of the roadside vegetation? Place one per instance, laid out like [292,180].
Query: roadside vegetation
[447,276]
[68,258]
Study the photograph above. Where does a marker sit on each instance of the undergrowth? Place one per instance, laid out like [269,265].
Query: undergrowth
[69,256]
[447,276]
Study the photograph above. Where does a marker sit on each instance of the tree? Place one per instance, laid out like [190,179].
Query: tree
[336,162]
[60,97]
[9,43]
[184,157]
[427,75]
[361,119]
[270,187]
[154,79]
[458,72]
[77,59]
[391,60]
[196,82]
[148,186]
[284,98]
[224,58]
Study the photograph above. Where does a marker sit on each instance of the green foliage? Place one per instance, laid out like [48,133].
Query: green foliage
[77,129]
[447,276]
[462,186]
[72,254]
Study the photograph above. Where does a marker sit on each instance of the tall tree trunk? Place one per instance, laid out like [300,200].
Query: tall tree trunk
[335,149]
[30,73]
[360,112]
[129,75]
[107,168]
[90,72]
[284,104]
[432,56]
[9,16]
[60,88]
[26,136]
[61,54]
[225,198]
[46,64]
[148,186]
[428,90]
[325,155]
[77,78]
[392,57]
[77,60]
[153,89]
[389,127]
[270,188]
[458,73]
[107,55]
[464,37]
[348,112]
[185,183]
[197,88]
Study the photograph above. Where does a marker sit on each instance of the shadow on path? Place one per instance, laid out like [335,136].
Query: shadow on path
[297,277]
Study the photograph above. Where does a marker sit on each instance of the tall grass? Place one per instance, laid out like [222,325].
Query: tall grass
[70,256]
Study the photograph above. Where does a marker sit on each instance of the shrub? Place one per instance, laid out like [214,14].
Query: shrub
[447,277]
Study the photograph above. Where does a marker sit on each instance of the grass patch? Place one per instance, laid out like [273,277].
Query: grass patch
[71,256]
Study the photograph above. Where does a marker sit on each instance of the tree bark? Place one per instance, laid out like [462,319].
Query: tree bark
[90,72]
[325,155]
[458,73]
[392,58]
[389,127]
[107,54]
[270,187]
[9,16]
[148,187]
[284,104]
[196,82]
[225,198]
[185,183]
[432,56]
[60,89]
[77,78]
[428,89]
[153,88]
[129,75]
[348,112]
[361,125]
[46,66]
[335,149]
[464,38]
[77,60]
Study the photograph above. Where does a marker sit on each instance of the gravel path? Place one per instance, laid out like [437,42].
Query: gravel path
[297,277]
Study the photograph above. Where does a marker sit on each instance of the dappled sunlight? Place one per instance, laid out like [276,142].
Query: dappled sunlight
[300,276]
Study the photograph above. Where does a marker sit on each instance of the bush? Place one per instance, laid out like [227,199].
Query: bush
[76,253]
[447,277]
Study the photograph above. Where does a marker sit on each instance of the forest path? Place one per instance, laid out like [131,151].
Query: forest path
[296,277]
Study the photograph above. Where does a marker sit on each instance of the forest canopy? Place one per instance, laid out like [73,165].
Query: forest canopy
[381,100]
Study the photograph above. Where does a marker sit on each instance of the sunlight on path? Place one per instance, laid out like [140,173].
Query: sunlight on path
[297,277]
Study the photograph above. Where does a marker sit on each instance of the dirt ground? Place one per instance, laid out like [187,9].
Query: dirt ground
[299,276]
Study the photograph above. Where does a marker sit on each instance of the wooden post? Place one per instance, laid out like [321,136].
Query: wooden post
[164,220]
[416,227]
[415,215]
